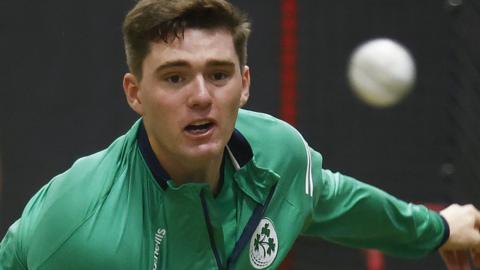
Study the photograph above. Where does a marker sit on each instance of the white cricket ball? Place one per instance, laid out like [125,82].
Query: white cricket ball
[381,72]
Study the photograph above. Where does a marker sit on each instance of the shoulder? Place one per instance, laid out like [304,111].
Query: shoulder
[70,199]
[274,142]
[261,128]
[89,178]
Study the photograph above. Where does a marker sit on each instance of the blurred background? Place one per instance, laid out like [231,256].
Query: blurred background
[61,98]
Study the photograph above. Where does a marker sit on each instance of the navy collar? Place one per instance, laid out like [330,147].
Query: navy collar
[149,156]
[238,148]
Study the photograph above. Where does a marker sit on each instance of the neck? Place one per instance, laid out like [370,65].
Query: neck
[201,170]
[206,172]
[184,170]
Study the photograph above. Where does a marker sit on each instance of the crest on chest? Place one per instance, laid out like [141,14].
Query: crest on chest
[263,245]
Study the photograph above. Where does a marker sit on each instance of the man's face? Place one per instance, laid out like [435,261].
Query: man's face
[190,94]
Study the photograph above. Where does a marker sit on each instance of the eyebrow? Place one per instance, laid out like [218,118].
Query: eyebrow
[220,63]
[183,63]
[172,64]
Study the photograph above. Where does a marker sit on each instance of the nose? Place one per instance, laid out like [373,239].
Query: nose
[199,96]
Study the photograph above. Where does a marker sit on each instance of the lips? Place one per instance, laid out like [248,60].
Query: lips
[199,127]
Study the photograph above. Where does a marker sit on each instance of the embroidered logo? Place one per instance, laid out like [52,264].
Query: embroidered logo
[264,245]
[159,235]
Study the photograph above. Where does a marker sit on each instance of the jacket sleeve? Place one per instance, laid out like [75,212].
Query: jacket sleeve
[14,246]
[349,212]
[9,256]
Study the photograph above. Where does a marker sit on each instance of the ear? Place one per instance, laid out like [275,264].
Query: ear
[131,88]
[245,85]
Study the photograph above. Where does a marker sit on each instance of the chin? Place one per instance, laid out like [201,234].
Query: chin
[209,151]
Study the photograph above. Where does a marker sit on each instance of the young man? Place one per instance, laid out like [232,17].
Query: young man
[198,183]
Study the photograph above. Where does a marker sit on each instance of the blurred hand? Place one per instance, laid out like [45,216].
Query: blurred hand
[464,239]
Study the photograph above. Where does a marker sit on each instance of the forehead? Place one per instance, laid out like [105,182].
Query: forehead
[196,46]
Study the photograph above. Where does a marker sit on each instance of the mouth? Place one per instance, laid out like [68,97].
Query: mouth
[200,127]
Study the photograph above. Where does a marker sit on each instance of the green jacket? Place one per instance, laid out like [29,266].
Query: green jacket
[117,209]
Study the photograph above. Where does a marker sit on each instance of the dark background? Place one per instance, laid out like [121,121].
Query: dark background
[61,98]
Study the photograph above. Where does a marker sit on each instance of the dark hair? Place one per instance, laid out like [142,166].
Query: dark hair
[157,20]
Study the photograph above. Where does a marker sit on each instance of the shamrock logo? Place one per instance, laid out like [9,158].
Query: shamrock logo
[263,245]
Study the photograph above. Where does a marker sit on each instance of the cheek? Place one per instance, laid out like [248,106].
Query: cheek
[231,104]
[158,102]
[232,98]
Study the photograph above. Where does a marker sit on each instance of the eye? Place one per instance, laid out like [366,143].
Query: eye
[174,79]
[219,76]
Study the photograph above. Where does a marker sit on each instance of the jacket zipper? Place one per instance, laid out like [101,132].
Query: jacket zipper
[257,215]
[210,230]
